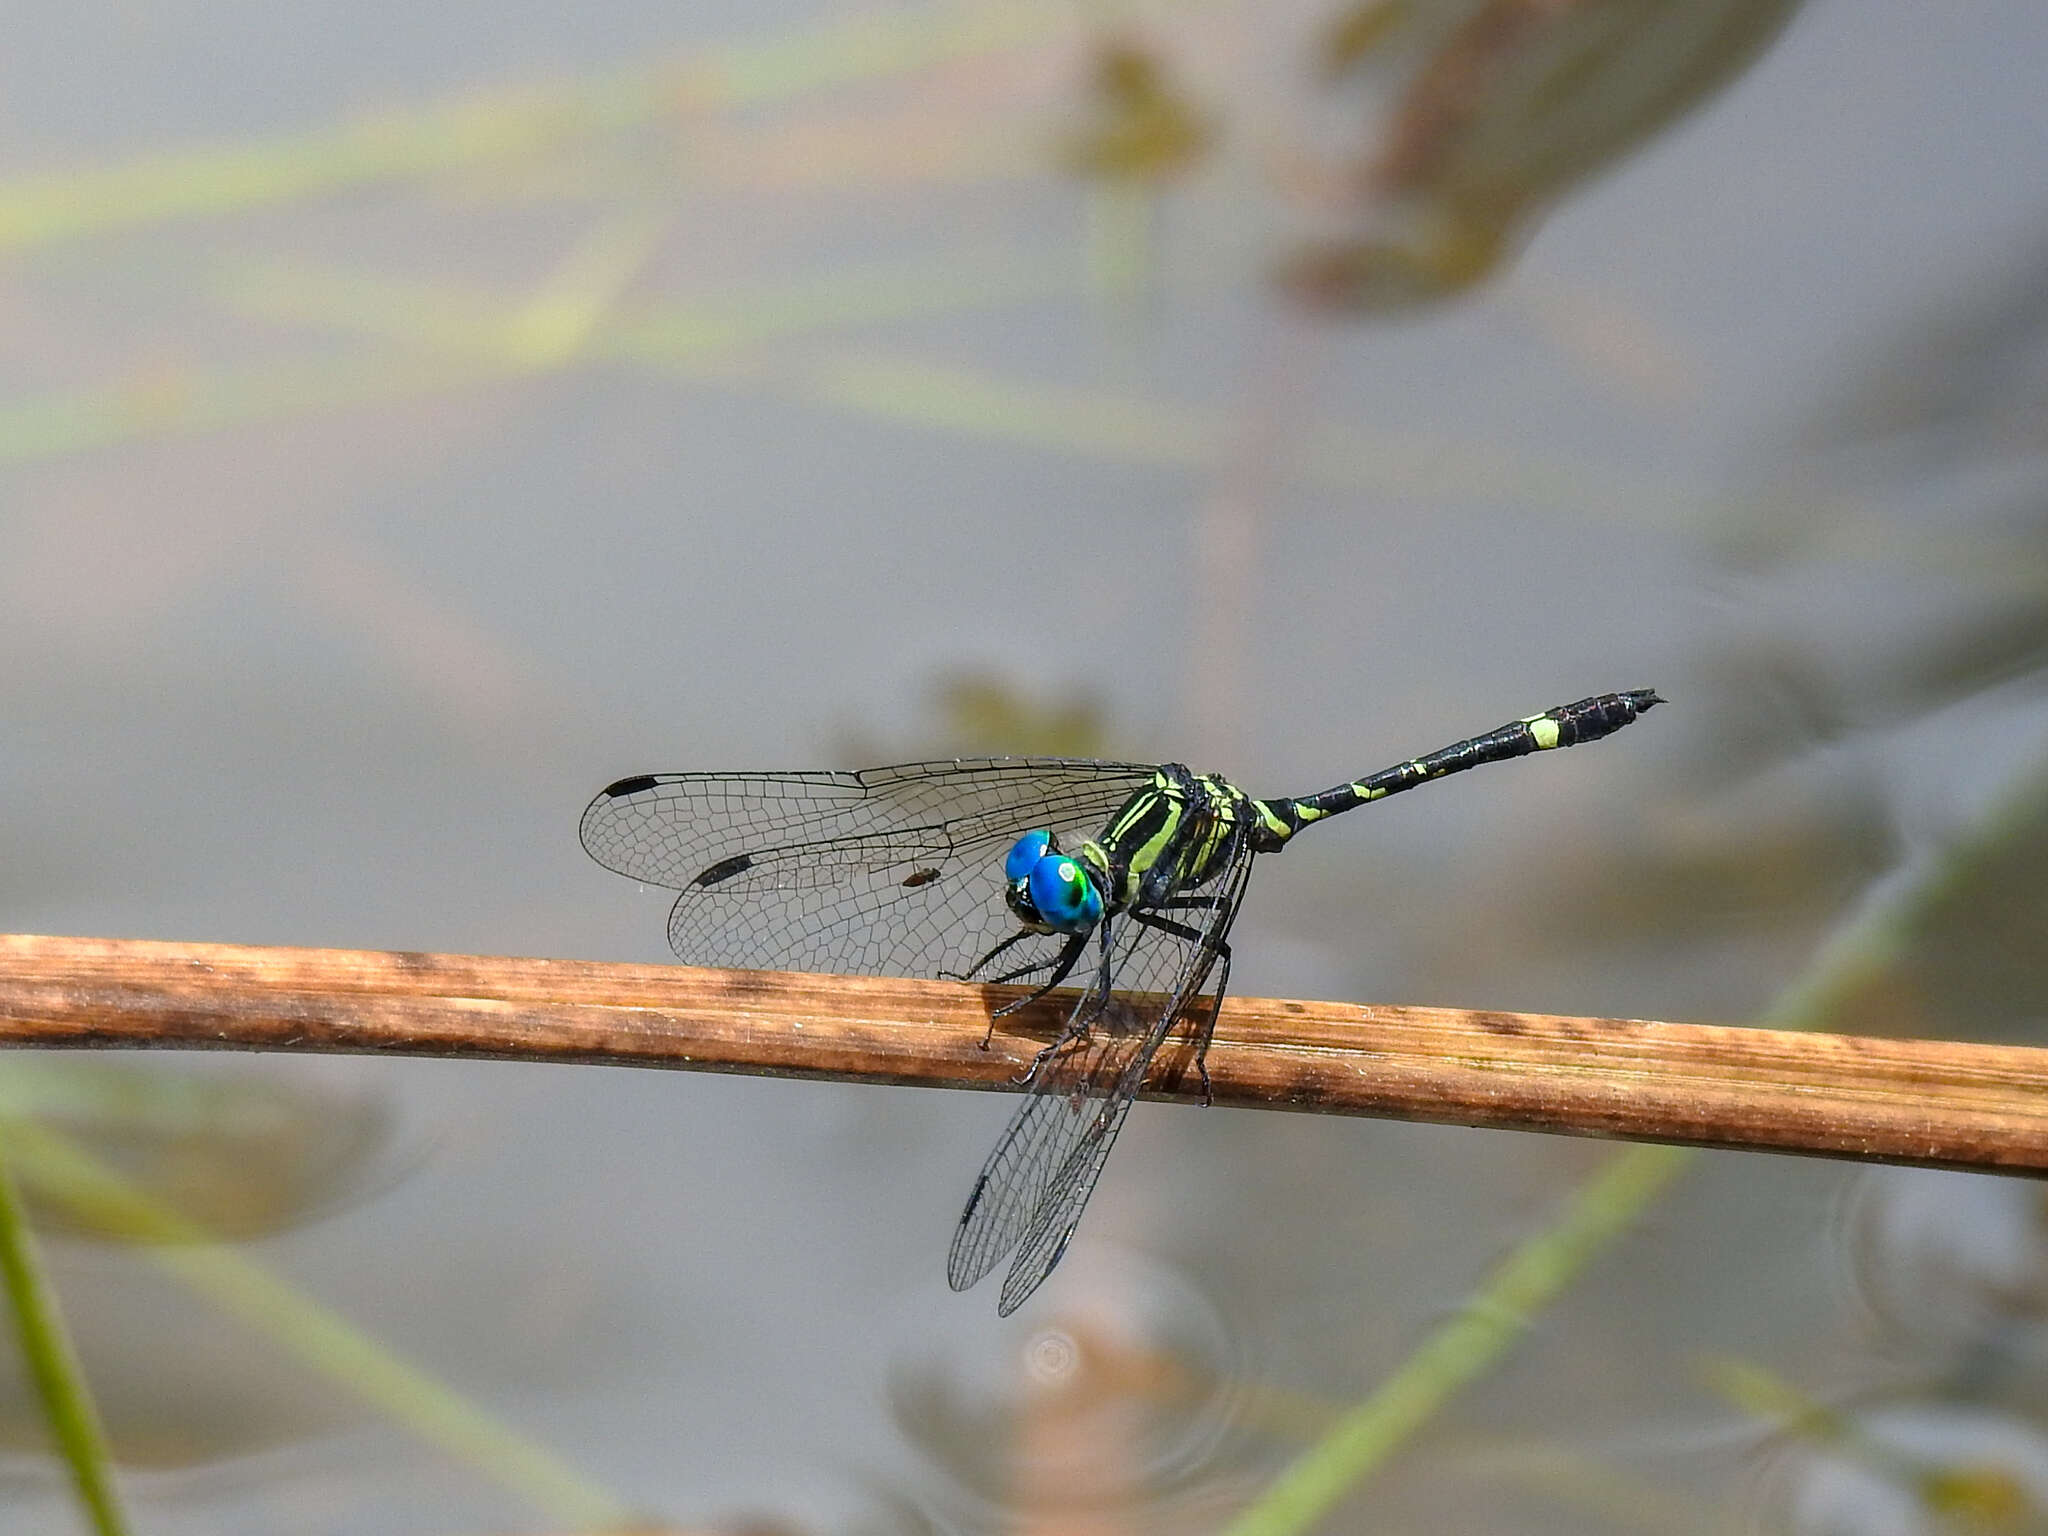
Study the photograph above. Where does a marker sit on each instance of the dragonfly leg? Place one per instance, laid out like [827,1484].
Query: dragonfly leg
[1083,1015]
[975,969]
[1215,1012]
[1218,949]
[1045,1054]
[1097,1002]
[1065,963]
[1018,975]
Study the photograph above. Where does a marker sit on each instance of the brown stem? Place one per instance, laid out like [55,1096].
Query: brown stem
[1930,1102]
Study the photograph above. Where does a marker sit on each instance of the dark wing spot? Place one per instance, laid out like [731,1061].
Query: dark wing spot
[632,786]
[725,869]
[921,877]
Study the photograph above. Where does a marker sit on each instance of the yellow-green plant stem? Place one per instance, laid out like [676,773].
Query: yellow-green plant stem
[1465,1347]
[455,133]
[53,1365]
[454,340]
[61,1171]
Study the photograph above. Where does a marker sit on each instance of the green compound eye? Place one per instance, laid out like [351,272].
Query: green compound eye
[1064,895]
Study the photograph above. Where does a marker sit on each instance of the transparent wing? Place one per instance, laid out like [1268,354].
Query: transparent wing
[890,871]
[1036,1183]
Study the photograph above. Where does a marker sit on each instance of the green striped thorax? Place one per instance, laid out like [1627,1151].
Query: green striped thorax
[1172,834]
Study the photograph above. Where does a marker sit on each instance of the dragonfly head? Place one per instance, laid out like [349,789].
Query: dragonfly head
[1050,890]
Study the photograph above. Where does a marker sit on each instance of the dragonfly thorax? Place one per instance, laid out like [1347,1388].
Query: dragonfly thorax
[1050,891]
[1173,834]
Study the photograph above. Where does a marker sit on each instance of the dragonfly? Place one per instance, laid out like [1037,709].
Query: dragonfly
[1122,879]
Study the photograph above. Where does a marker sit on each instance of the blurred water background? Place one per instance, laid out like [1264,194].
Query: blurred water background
[413,417]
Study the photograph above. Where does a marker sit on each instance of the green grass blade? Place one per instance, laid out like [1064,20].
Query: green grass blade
[185,404]
[53,1366]
[40,208]
[1528,1280]
[449,339]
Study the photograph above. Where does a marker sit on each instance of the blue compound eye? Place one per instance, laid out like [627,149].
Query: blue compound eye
[1064,895]
[1024,856]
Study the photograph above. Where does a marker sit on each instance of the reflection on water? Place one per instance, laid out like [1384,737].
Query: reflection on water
[1120,1391]
[1954,1268]
[240,1148]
